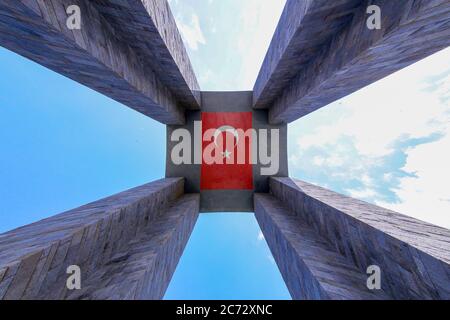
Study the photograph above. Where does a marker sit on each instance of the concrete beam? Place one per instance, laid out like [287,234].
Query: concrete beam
[348,56]
[414,256]
[149,27]
[311,268]
[97,56]
[227,200]
[127,246]
[304,27]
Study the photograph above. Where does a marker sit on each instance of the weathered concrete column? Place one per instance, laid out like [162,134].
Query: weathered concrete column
[131,51]
[323,50]
[323,243]
[310,267]
[127,246]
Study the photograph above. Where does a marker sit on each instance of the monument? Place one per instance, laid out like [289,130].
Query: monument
[226,151]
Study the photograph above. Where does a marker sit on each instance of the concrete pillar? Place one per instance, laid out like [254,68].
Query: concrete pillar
[116,51]
[310,267]
[127,246]
[323,50]
[324,242]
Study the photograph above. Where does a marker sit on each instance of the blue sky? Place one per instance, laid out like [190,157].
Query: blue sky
[227,258]
[63,145]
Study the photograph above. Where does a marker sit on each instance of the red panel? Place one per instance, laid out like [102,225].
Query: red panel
[227,176]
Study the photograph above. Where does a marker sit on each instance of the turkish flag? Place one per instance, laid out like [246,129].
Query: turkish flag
[222,142]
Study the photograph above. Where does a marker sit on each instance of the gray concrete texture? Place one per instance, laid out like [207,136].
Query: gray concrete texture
[100,56]
[226,200]
[414,256]
[127,246]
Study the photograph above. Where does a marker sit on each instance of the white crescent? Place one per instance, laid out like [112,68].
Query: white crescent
[229,129]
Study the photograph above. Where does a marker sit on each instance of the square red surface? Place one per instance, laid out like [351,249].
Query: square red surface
[226,176]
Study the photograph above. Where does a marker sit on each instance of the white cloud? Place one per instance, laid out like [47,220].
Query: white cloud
[362,194]
[258,22]
[426,194]
[387,177]
[381,114]
[371,128]
[191,32]
[260,236]
[233,36]
[206,76]
[271,259]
